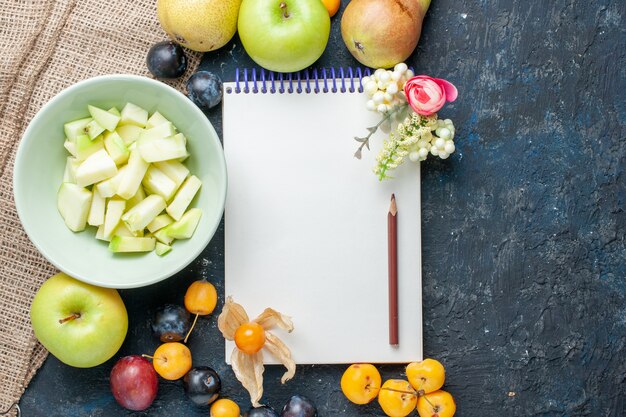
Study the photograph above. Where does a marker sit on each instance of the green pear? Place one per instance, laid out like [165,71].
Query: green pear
[200,25]
[382,33]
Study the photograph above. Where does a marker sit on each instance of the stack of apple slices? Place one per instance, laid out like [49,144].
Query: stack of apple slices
[126,177]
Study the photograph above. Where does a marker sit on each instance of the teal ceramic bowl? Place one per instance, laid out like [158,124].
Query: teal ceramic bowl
[40,163]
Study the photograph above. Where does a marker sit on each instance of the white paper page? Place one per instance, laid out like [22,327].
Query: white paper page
[306,227]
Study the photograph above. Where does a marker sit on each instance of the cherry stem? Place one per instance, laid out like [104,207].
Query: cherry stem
[70,318]
[283,7]
[417,394]
[435,409]
[147,356]
[190,330]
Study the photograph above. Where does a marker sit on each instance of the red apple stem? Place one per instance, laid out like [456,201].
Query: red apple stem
[283,7]
[191,329]
[70,318]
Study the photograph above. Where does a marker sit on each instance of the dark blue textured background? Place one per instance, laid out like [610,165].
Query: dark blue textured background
[524,255]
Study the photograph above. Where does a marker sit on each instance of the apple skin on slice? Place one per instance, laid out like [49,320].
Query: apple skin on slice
[132,244]
[186,226]
[80,324]
[162,249]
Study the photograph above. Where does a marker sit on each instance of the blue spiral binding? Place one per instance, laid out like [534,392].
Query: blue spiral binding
[237,89]
[322,80]
[254,86]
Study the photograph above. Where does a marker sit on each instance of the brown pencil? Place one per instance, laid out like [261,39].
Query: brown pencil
[392,243]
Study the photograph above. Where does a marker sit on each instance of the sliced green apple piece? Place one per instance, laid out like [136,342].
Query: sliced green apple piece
[116,147]
[186,226]
[70,146]
[105,119]
[159,222]
[156,182]
[134,115]
[115,111]
[73,203]
[100,233]
[129,133]
[136,199]
[162,249]
[161,131]
[181,137]
[143,213]
[184,196]
[69,175]
[132,244]
[115,209]
[138,233]
[76,128]
[85,147]
[163,237]
[120,230]
[123,230]
[93,129]
[173,169]
[156,150]
[98,167]
[108,188]
[155,120]
[96,211]
[135,172]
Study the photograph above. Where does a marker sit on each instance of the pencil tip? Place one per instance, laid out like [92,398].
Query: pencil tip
[393,209]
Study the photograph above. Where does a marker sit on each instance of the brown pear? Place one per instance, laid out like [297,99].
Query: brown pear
[382,33]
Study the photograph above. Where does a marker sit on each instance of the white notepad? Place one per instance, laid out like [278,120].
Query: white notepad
[306,226]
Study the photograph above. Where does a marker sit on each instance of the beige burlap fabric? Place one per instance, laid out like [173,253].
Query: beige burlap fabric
[45,46]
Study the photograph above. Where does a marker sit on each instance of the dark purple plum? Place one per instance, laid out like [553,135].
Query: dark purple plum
[166,60]
[205,89]
[299,406]
[202,385]
[263,411]
[134,383]
[171,323]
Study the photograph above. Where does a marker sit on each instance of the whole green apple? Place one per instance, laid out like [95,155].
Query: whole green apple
[81,324]
[284,35]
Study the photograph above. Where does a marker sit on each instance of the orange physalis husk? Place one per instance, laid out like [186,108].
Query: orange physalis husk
[281,352]
[270,318]
[249,368]
[249,371]
[233,315]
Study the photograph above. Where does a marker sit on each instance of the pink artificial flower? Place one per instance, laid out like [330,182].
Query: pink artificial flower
[427,95]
